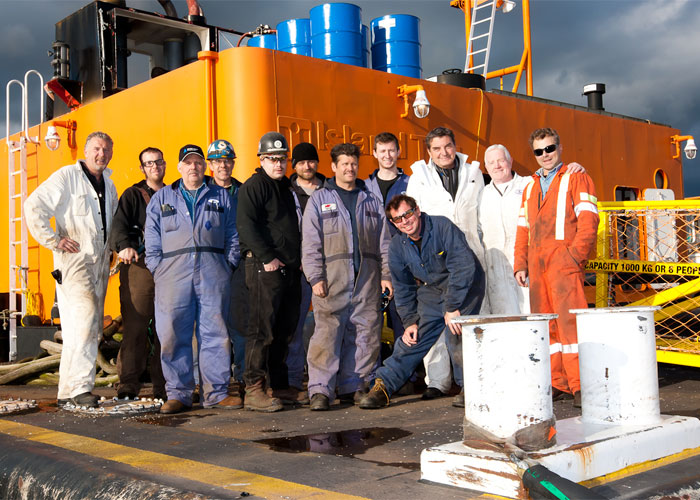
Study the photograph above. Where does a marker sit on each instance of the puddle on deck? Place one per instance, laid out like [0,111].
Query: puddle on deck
[344,443]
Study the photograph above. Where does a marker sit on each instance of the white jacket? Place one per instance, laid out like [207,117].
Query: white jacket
[68,197]
[426,188]
[498,221]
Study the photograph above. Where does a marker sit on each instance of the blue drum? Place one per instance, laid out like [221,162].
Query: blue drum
[294,35]
[263,41]
[396,45]
[336,33]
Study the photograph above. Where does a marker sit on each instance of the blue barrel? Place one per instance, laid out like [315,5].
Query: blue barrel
[396,45]
[294,35]
[365,46]
[336,33]
[263,41]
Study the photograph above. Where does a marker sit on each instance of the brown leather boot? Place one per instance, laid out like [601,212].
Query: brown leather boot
[256,398]
[290,396]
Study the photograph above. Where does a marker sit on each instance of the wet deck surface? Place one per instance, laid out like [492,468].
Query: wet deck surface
[291,454]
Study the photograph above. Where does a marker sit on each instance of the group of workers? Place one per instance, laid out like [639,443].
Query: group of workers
[237,265]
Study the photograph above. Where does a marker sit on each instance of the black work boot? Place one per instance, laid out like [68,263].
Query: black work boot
[85,399]
[377,398]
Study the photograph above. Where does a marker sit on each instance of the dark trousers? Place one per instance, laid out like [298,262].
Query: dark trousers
[238,321]
[274,299]
[136,293]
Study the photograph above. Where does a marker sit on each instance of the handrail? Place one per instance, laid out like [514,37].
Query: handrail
[7,109]
[25,105]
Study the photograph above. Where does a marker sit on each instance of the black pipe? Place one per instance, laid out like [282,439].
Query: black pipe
[594,92]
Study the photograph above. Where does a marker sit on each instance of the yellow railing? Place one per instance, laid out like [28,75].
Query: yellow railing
[648,253]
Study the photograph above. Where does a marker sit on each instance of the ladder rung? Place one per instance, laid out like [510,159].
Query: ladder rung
[479,36]
[15,172]
[15,196]
[487,20]
[476,52]
[15,290]
[483,5]
[474,67]
[16,242]
[16,219]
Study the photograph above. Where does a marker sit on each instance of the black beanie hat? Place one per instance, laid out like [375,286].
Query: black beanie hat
[304,151]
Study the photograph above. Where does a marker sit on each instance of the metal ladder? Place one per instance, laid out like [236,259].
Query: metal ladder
[18,270]
[483,14]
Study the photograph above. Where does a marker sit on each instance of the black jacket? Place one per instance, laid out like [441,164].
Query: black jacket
[267,220]
[301,194]
[128,222]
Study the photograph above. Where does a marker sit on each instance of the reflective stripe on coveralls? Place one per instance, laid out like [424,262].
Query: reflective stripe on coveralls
[344,347]
[68,197]
[191,265]
[554,239]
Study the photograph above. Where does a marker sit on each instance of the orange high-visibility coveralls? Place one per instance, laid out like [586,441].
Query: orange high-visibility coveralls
[553,241]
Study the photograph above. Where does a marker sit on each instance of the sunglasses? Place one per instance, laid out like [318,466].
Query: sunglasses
[547,149]
[404,216]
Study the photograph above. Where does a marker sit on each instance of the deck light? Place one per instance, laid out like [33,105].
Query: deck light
[53,140]
[690,149]
[421,105]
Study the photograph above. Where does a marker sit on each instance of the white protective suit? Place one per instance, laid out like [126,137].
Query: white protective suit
[68,197]
[498,223]
[425,186]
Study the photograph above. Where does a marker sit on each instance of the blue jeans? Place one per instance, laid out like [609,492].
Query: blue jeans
[399,367]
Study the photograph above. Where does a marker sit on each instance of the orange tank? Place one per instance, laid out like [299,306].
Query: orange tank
[238,94]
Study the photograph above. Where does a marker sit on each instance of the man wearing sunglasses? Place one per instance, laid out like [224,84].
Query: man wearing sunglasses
[136,287]
[271,246]
[556,233]
[344,247]
[448,184]
[436,278]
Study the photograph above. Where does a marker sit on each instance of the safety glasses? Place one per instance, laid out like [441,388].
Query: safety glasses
[404,216]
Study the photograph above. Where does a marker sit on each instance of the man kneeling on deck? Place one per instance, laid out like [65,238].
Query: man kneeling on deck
[436,278]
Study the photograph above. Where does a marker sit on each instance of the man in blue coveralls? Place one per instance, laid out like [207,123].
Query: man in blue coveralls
[191,247]
[436,278]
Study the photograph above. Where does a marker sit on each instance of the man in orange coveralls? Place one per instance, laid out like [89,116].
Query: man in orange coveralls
[556,233]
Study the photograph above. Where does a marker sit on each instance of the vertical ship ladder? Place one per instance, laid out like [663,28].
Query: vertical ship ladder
[18,238]
[482,18]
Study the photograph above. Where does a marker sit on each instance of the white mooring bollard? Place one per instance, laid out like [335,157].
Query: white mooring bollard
[617,361]
[507,379]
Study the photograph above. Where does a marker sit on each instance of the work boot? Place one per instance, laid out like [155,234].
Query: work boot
[172,406]
[458,400]
[558,394]
[86,399]
[195,394]
[378,397]
[319,402]
[62,403]
[352,398]
[290,396]
[126,395]
[432,393]
[577,399]
[256,399]
[230,402]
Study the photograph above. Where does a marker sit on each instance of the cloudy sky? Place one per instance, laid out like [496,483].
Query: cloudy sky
[645,51]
